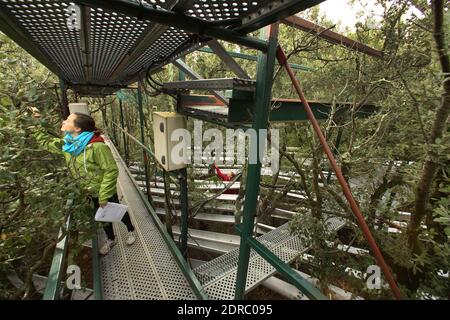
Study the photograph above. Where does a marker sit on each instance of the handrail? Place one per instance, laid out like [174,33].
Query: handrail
[97,282]
[147,149]
[53,286]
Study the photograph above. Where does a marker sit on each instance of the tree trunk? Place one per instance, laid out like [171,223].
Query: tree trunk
[430,165]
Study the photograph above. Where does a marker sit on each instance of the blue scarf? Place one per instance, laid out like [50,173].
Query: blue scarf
[75,146]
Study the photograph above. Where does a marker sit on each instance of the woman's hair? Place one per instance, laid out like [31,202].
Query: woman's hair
[84,122]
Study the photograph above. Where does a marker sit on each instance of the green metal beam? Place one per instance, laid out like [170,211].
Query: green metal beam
[264,81]
[241,109]
[144,147]
[97,281]
[181,73]
[122,123]
[144,11]
[244,56]
[184,199]
[212,120]
[275,11]
[65,112]
[184,208]
[144,154]
[227,59]
[113,118]
[285,270]
[53,286]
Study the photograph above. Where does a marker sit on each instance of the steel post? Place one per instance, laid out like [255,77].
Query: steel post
[184,206]
[65,112]
[144,154]
[264,80]
[122,123]
[113,118]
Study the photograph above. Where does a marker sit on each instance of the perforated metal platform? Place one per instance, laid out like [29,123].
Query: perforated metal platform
[218,276]
[146,269]
[98,49]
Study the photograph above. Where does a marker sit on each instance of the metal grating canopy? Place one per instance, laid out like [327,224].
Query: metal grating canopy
[88,46]
[112,37]
[44,22]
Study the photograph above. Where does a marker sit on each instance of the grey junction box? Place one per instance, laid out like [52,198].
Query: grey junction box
[164,124]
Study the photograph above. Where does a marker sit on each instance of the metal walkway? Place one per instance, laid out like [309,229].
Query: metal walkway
[147,269]
[218,276]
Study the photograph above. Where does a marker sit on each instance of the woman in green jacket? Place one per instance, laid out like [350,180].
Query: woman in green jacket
[91,162]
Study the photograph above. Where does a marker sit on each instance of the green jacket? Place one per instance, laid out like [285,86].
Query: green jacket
[97,174]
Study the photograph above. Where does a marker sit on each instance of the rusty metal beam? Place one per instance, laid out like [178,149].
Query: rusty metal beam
[331,36]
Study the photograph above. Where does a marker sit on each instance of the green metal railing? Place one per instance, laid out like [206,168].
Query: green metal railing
[53,287]
[97,282]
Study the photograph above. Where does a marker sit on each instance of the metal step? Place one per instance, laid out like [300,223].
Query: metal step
[200,185]
[218,276]
[223,207]
[217,237]
[210,246]
[209,217]
[161,192]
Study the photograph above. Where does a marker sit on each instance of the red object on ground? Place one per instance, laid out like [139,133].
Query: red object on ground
[221,175]
[225,177]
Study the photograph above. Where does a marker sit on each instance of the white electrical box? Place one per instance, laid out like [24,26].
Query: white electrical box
[79,107]
[164,124]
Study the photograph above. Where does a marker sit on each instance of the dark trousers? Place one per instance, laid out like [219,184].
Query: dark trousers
[108,227]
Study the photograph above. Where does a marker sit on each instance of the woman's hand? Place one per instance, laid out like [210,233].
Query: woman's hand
[34,113]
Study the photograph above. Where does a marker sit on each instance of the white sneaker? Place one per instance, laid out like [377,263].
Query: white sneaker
[104,250]
[131,238]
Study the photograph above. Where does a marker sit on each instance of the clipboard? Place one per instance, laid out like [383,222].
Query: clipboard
[112,212]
